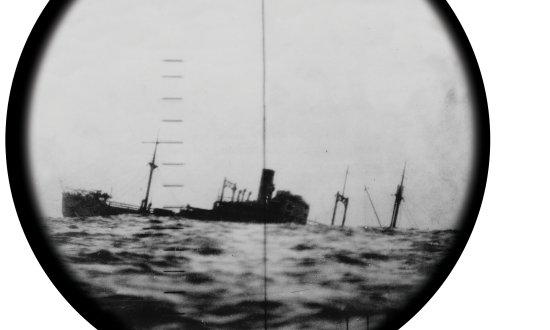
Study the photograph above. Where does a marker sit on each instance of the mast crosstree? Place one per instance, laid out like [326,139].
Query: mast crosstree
[145,205]
[343,199]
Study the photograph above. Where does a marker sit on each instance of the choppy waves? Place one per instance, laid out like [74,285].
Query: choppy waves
[161,273]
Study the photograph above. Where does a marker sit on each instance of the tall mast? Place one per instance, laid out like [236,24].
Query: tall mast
[153,166]
[398,200]
[343,199]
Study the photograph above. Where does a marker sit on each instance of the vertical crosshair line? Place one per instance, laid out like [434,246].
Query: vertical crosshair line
[265,274]
[264,129]
[263,76]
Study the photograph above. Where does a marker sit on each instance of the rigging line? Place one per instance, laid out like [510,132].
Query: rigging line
[411,215]
[327,214]
[138,173]
[411,222]
[142,175]
[132,182]
[140,181]
[430,217]
[377,218]
[381,191]
[412,218]
[418,208]
[321,217]
[404,215]
[345,181]
[365,210]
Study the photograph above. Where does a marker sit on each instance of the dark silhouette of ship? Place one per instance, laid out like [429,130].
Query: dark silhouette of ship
[284,207]
[86,203]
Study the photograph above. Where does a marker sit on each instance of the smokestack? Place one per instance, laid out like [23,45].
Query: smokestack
[266,186]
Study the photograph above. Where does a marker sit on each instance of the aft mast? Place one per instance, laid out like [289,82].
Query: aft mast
[398,199]
[343,199]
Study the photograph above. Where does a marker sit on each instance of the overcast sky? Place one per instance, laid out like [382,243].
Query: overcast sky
[368,84]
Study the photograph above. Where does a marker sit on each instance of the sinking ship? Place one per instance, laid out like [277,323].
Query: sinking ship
[284,207]
[91,203]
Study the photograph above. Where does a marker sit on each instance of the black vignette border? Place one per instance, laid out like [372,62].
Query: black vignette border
[17,160]
[462,296]
[458,304]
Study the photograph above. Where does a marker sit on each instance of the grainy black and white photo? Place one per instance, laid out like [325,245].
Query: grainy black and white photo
[252,164]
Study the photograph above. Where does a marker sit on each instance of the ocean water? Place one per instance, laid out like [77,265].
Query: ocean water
[162,273]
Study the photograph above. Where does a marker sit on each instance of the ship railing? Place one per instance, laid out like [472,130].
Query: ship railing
[234,200]
[124,206]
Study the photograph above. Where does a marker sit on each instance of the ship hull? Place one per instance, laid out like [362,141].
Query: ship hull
[283,208]
[280,210]
[78,205]
[244,214]
[74,205]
